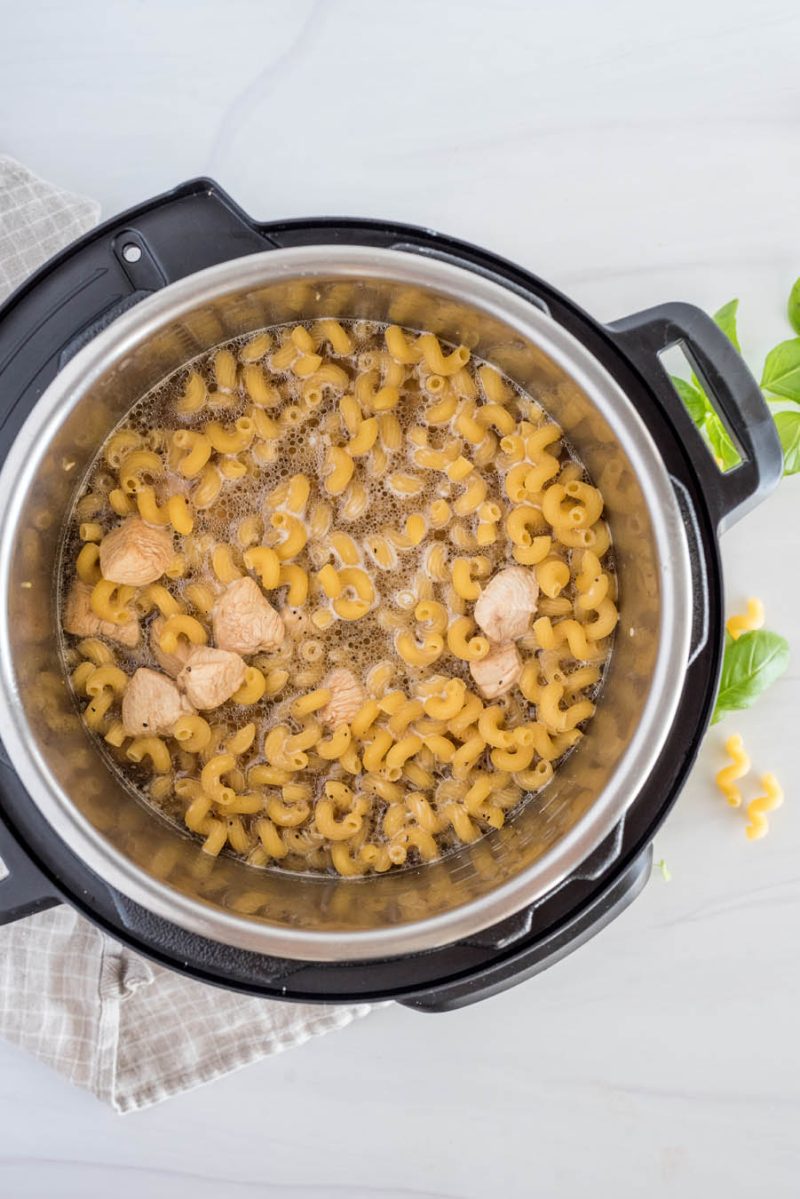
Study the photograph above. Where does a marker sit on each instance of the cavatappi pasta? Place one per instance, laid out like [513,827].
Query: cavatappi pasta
[381,603]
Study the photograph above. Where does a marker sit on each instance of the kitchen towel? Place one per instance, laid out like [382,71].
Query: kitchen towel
[98,1013]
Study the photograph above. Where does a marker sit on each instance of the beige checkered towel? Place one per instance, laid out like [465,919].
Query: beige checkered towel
[131,1032]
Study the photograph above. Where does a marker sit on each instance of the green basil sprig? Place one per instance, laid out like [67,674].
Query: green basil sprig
[781,374]
[749,665]
[793,307]
[780,381]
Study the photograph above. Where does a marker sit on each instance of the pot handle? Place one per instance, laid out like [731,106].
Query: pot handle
[23,888]
[733,391]
[529,960]
[79,292]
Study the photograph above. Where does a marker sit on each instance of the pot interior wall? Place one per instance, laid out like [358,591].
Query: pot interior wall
[280,898]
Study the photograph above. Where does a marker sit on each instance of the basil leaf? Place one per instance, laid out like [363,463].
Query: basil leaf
[694,401]
[721,445]
[788,426]
[793,306]
[749,666]
[782,370]
[726,319]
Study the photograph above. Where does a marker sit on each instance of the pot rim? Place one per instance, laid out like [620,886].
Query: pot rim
[557,864]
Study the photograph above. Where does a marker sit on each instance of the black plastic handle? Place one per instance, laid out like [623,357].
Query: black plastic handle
[507,972]
[108,271]
[732,390]
[23,889]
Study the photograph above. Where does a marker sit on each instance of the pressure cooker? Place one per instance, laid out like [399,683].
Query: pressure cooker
[129,303]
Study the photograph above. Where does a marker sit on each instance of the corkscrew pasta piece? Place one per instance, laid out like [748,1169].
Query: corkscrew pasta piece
[390,431]
[753,618]
[298,493]
[256,348]
[139,467]
[194,396]
[436,359]
[225,370]
[340,467]
[757,809]
[293,533]
[552,575]
[96,651]
[87,564]
[106,678]
[400,347]
[521,524]
[336,336]
[119,502]
[462,644]
[192,733]
[443,411]
[466,424]
[264,560]
[569,632]
[514,484]
[223,565]
[495,416]
[152,748]
[208,487]
[556,718]
[412,535]
[592,583]
[728,777]
[494,388]
[295,578]
[417,653]
[81,675]
[148,507]
[264,428]
[201,596]
[259,389]
[115,735]
[233,438]
[364,438]
[606,617]
[110,602]
[120,443]
[409,711]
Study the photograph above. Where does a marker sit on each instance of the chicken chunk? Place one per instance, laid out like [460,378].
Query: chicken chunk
[171,663]
[211,676]
[135,553]
[152,703]
[505,606]
[348,696]
[296,622]
[82,621]
[498,671]
[244,621]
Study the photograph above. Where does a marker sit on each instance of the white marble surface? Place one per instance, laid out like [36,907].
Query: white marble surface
[630,153]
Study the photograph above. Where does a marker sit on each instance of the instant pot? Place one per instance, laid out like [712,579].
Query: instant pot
[144,294]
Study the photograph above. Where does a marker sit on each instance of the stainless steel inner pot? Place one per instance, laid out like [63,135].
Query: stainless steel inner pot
[293,916]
